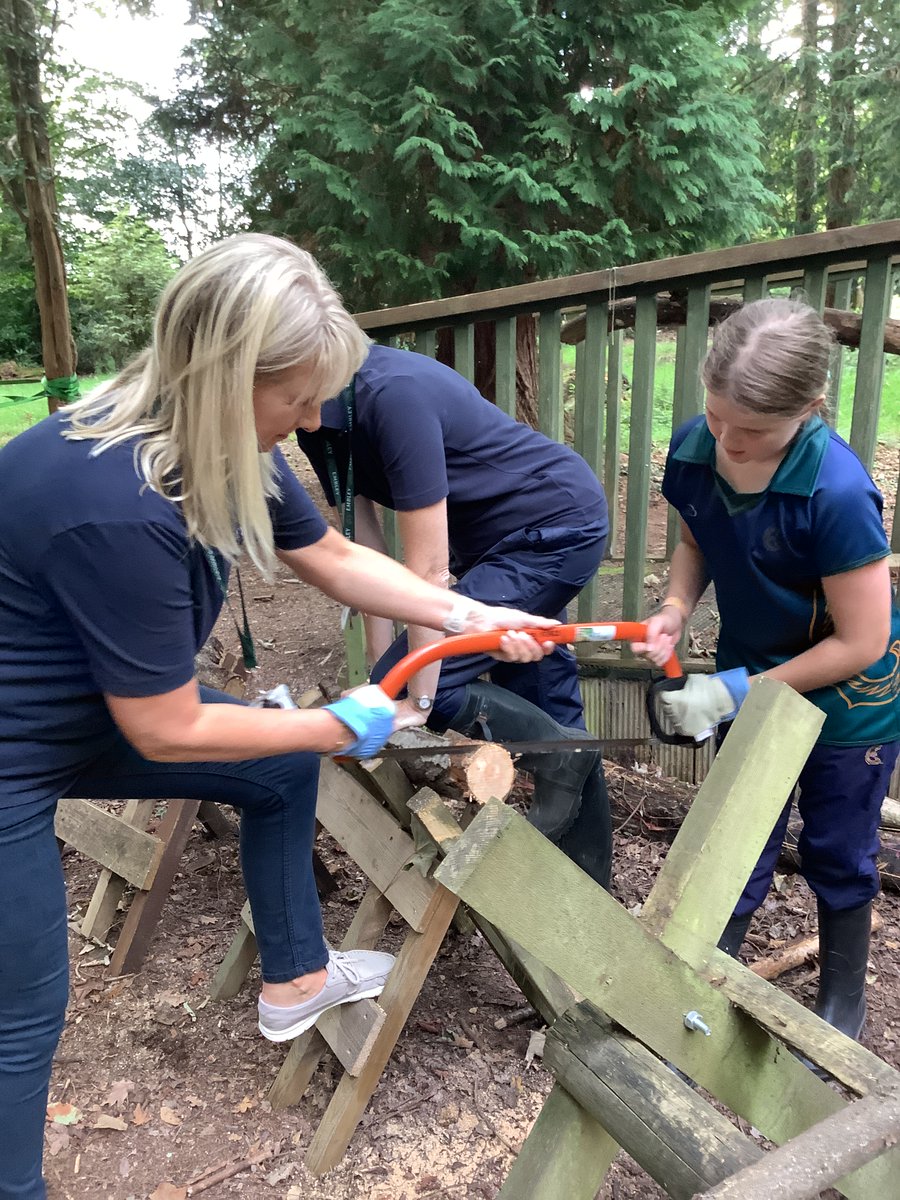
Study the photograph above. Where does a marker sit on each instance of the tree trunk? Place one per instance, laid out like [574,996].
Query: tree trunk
[840,210]
[486,363]
[805,169]
[22,38]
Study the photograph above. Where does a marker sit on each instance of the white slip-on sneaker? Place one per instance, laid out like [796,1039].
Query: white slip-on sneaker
[351,975]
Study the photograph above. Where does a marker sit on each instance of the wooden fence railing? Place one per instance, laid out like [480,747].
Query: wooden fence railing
[851,270]
[852,267]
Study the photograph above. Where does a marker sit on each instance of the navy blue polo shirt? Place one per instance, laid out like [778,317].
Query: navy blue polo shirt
[422,433]
[767,554]
[101,590]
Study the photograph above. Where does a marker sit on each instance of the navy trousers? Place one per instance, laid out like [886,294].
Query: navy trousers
[841,790]
[277,800]
[537,570]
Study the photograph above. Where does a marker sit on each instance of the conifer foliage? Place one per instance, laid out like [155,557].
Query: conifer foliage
[429,147]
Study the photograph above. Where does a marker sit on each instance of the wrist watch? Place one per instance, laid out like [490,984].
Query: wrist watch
[423,703]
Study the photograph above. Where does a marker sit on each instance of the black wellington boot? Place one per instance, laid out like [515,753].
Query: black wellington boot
[495,714]
[843,957]
[734,933]
[589,841]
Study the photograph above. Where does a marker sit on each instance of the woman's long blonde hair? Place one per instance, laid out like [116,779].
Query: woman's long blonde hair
[250,306]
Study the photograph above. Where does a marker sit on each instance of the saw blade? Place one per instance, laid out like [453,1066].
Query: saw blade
[575,745]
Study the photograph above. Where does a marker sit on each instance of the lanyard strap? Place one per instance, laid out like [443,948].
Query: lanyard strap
[344,499]
[245,637]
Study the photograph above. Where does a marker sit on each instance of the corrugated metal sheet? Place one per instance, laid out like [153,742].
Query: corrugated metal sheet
[616,708]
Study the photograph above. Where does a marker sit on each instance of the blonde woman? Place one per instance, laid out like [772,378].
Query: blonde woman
[121,518]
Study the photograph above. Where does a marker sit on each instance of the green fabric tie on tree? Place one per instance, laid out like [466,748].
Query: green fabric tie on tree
[65,389]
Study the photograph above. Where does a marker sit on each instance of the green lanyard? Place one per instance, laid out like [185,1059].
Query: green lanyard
[245,637]
[344,500]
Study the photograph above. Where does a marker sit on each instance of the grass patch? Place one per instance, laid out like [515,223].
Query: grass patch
[664,386]
[21,406]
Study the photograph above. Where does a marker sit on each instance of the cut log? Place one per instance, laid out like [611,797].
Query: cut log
[890,814]
[846,325]
[485,772]
[796,954]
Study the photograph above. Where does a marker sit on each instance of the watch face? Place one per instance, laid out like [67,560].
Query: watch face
[423,702]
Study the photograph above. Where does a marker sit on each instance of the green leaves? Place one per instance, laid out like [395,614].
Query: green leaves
[437,146]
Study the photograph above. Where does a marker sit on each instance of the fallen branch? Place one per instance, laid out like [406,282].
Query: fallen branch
[208,1179]
[890,814]
[846,325]
[796,954]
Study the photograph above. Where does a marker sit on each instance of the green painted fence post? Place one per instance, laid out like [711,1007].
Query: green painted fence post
[613,437]
[639,445]
[590,386]
[550,404]
[505,387]
[870,359]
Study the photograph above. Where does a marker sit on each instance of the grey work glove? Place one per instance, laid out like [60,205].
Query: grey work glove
[705,701]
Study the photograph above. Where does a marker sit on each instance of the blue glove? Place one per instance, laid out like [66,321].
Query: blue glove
[705,701]
[369,713]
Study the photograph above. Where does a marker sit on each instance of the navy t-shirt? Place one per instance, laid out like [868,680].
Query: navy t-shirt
[767,555]
[101,590]
[422,433]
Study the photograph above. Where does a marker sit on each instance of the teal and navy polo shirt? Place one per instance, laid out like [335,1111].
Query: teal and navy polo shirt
[767,554]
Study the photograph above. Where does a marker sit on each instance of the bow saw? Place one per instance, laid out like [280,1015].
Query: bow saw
[590,631]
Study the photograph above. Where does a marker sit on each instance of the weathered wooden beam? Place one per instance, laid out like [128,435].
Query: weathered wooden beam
[544,990]
[679,1139]
[565,1157]
[519,881]
[145,908]
[724,832]
[235,966]
[372,838]
[110,887]
[404,983]
[822,1155]
[306,1051]
[785,1019]
[659,914]
[110,840]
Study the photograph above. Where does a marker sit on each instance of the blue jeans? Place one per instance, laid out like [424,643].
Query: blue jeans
[841,790]
[277,800]
[539,571]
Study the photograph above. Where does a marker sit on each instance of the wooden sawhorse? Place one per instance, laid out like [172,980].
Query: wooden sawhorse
[129,855]
[657,992]
[361,1035]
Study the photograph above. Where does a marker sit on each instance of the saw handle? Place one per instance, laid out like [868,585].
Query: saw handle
[480,643]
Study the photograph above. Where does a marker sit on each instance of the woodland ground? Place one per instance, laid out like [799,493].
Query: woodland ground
[169,1083]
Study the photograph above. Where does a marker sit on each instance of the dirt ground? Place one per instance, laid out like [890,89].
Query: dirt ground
[169,1084]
